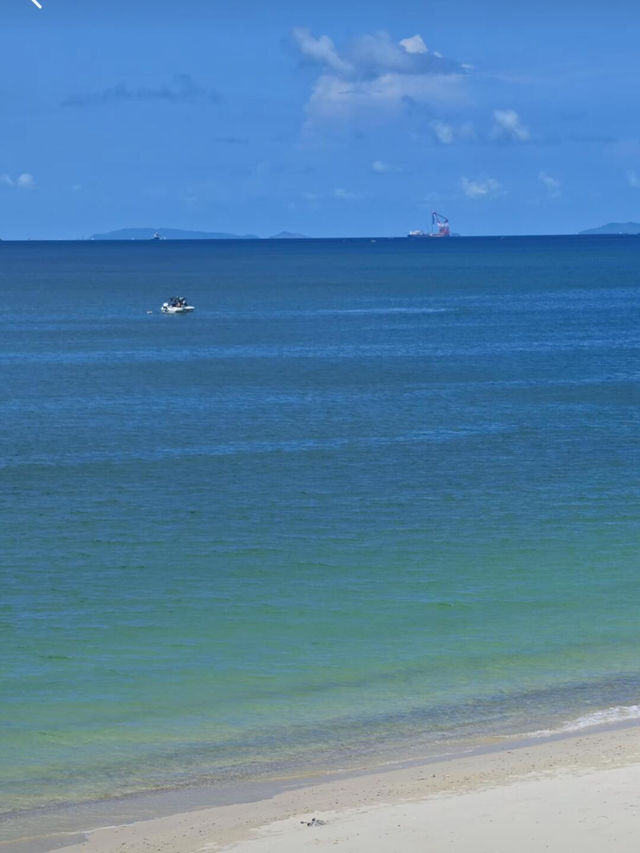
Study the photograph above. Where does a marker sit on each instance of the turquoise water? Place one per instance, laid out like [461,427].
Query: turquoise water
[370,495]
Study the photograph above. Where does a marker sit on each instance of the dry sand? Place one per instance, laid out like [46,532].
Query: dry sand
[579,793]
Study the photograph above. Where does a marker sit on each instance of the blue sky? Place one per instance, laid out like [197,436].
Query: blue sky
[331,119]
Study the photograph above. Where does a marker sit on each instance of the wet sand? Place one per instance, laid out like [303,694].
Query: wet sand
[579,792]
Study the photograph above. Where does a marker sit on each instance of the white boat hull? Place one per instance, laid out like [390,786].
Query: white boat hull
[176,309]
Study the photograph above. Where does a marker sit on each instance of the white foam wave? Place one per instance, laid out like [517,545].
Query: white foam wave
[607,716]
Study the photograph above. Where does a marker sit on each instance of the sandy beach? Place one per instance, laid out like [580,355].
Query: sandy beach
[575,792]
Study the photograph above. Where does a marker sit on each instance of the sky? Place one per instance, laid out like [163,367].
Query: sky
[329,118]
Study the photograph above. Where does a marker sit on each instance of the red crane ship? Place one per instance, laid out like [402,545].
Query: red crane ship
[439,227]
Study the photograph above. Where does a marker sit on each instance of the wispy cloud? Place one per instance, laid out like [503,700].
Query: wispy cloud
[633,179]
[320,50]
[25,181]
[551,184]
[508,126]
[382,168]
[346,195]
[443,132]
[182,90]
[375,75]
[447,134]
[481,188]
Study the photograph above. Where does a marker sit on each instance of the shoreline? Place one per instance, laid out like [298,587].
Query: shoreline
[575,763]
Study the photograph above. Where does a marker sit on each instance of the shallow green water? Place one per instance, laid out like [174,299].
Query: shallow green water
[367,494]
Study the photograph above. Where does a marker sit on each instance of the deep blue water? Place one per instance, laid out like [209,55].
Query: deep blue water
[369,495]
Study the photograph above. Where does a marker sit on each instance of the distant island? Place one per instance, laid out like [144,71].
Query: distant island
[168,234]
[615,228]
[288,235]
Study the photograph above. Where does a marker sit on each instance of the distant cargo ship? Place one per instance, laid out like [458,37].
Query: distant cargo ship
[439,227]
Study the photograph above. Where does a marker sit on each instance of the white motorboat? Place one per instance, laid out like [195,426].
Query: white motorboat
[176,305]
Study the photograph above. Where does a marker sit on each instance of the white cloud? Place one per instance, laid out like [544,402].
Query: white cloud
[320,50]
[481,188]
[382,168]
[376,76]
[551,184]
[446,134]
[25,181]
[415,44]
[507,125]
[443,132]
[381,98]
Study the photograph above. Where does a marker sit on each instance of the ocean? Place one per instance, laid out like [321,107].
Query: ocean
[372,499]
